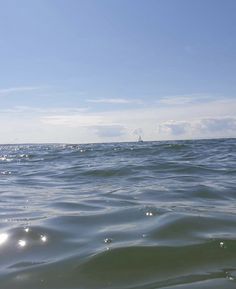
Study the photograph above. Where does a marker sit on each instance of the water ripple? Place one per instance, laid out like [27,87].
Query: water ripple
[121,215]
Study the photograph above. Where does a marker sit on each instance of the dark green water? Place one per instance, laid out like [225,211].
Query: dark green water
[124,216]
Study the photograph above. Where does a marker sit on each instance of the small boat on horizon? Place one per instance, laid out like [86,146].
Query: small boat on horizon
[140,139]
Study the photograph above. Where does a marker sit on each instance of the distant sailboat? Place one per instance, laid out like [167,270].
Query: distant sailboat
[140,139]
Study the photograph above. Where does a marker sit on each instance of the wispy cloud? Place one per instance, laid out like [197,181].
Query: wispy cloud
[82,120]
[114,100]
[41,110]
[184,99]
[11,90]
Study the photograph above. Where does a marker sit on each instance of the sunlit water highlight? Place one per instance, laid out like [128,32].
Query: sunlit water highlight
[131,215]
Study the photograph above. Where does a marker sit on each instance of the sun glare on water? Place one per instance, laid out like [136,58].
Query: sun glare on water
[3,238]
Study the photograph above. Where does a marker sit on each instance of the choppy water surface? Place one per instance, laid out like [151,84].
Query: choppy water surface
[131,215]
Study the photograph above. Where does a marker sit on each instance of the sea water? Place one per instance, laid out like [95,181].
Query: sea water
[121,215]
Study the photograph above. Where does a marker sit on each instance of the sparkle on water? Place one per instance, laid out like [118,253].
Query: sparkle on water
[22,243]
[3,238]
[132,215]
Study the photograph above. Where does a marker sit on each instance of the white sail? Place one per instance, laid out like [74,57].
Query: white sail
[140,139]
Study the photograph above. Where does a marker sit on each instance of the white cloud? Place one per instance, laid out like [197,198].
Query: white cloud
[109,131]
[218,125]
[176,100]
[138,131]
[114,100]
[7,91]
[73,120]
[40,110]
[100,125]
[174,128]
[214,118]
[205,127]
[185,99]
[155,123]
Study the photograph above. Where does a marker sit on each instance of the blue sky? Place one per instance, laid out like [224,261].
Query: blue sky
[109,70]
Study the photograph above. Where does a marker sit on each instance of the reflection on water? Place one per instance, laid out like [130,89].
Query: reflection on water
[43,238]
[22,243]
[137,216]
[3,238]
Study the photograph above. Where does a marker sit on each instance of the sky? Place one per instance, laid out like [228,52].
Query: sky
[82,71]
